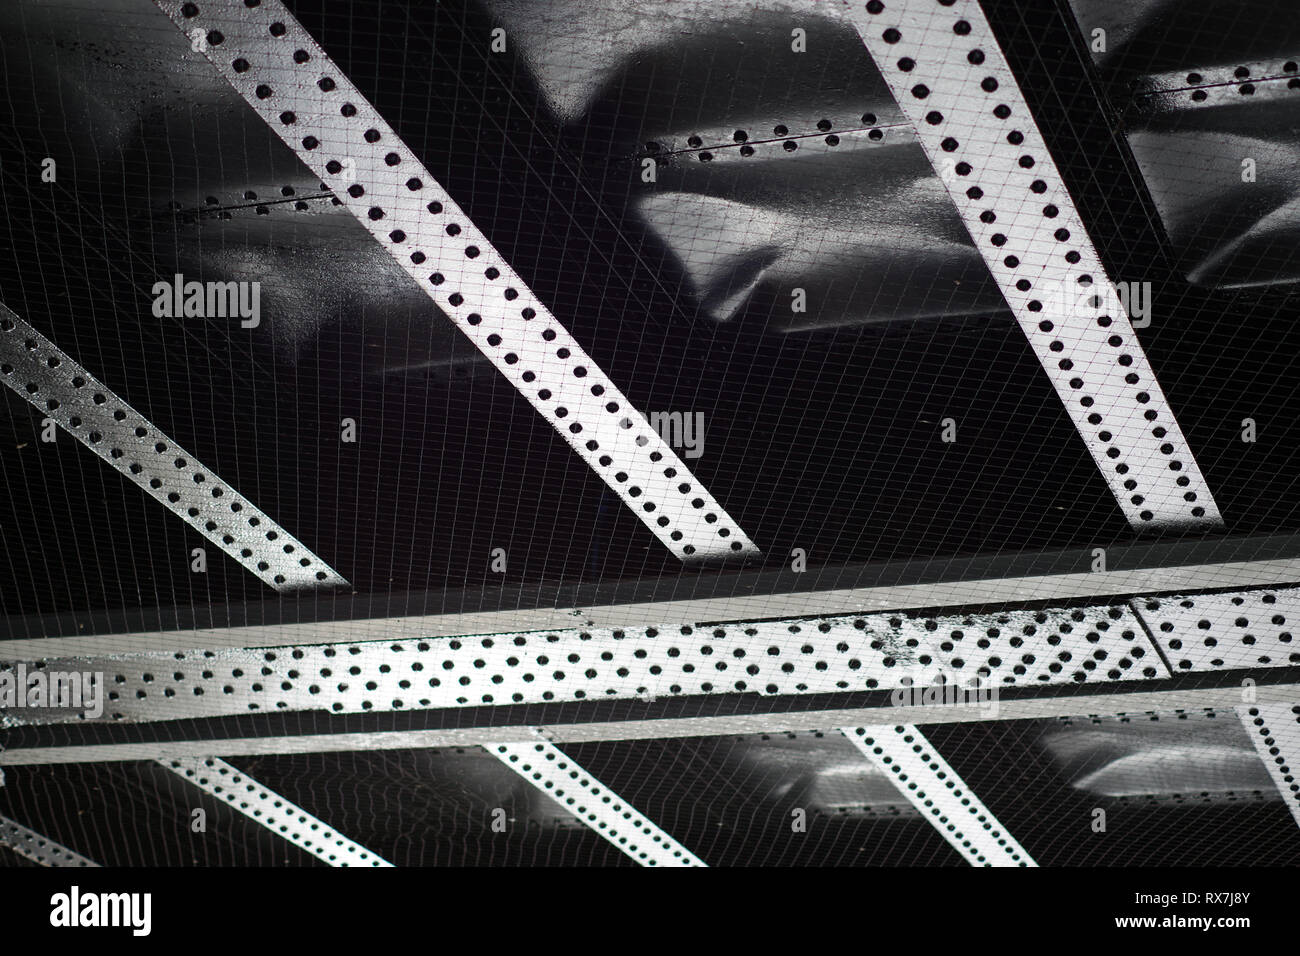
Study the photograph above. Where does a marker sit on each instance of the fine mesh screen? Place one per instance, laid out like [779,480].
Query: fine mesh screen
[727,209]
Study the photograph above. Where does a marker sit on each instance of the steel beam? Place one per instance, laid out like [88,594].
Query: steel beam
[280,816]
[40,849]
[1109,703]
[946,70]
[292,84]
[788,658]
[1226,630]
[851,589]
[558,776]
[942,797]
[1217,86]
[1274,729]
[90,412]
[783,658]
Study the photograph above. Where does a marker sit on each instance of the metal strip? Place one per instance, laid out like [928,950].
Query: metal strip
[1043,647]
[945,68]
[553,772]
[774,148]
[272,811]
[771,658]
[1217,86]
[982,591]
[1226,631]
[287,78]
[38,848]
[1274,729]
[102,421]
[1129,702]
[930,785]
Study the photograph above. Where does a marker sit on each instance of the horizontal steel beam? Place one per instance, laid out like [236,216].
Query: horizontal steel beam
[1030,708]
[1209,87]
[844,589]
[978,655]
[789,658]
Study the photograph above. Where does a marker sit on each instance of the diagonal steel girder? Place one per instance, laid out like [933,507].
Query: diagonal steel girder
[557,775]
[55,384]
[292,84]
[945,68]
[903,753]
[279,815]
[37,848]
[1274,730]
